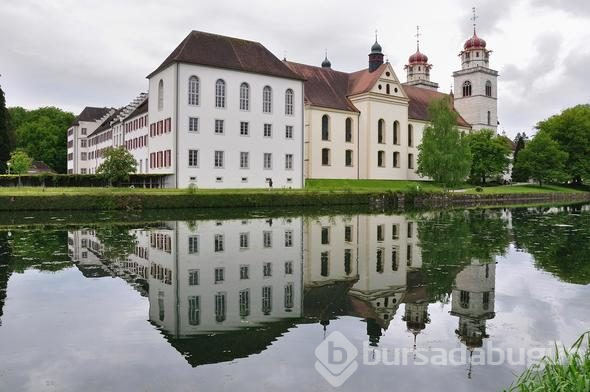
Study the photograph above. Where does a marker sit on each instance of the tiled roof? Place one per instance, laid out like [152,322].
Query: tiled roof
[141,109]
[227,52]
[420,98]
[90,114]
[106,124]
[363,81]
[324,87]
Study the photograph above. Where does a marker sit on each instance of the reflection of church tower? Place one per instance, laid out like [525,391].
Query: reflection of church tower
[374,331]
[416,318]
[476,92]
[473,302]
[418,69]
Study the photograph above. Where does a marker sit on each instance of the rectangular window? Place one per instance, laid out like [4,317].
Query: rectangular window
[220,307]
[244,128]
[394,258]
[289,132]
[244,299]
[464,299]
[409,255]
[348,158]
[396,159]
[219,127]
[219,243]
[347,261]
[219,159]
[244,240]
[244,160]
[289,161]
[325,157]
[394,232]
[219,275]
[266,300]
[380,233]
[194,310]
[348,234]
[379,262]
[267,130]
[83,156]
[193,277]
[83,171]
[267,239]
[289,296]
[410,229]
[410,161]
[244,272]
[193,244]
[288,268]
[267,160]
[83,143]
[84,131]
[324,263]
[325,235]
[193,158]
[193,124]
[288,238]
[267,270]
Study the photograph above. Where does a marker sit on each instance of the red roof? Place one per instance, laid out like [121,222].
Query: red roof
[420,98]
[475,42]
[227,52]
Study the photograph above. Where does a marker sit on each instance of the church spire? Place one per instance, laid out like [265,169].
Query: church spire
[474,19]
[326,63]
[376,55]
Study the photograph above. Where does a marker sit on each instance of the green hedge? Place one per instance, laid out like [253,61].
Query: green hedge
[70,180]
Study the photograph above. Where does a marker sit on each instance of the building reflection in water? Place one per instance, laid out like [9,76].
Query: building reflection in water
[221,290]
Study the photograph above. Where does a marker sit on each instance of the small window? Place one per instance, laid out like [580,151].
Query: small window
[244,96]
[488,89]
[288,268]
[410,161]
[288,238]
[348,158]
[244,160]
[325,236]
[160,95]
[219,275]
[194,310]
[324,263]
[381,158]
[219,127]
[289,132]
[244,299]
[347,261]
[387,89]
[267,99]
[289,161]
[380,233]
[325,127]
[244,272]
[348,234]
[220,93]
[267,130]
[267,160]
[244,240]
[289,102]
[193,158]
[193,277]
[395,159]
[395,232]
[193,90]
[244,128]
[410,135]
[219,159]
[267,270]
[193,124]
[489,118]
[348,130]
[467,88]
[381,132]
[396,133]
[219,242]
[325,157]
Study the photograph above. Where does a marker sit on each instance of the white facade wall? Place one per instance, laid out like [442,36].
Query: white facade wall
[474,109]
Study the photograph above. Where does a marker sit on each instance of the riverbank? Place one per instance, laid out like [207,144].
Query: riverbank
[320,193]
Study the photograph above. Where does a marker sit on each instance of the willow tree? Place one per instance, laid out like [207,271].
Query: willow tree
[444,154]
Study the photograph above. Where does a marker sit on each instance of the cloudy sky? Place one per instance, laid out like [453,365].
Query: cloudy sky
[74,53]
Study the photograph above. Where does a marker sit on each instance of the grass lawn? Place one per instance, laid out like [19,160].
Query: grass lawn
[525,188]
[370,185]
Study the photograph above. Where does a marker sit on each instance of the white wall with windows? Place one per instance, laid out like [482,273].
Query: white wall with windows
[234,129]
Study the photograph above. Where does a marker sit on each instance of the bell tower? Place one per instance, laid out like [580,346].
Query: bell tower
[418,69]
[476,84]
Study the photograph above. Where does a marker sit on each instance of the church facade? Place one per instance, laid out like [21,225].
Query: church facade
[223,112]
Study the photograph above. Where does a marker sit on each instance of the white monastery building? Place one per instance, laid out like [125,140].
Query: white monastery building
[223,112]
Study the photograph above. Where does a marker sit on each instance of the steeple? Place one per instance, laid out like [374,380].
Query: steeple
[418,68]
[326,63]
[376,55]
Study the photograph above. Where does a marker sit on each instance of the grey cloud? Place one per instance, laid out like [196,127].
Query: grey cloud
[576,7]
[489,14]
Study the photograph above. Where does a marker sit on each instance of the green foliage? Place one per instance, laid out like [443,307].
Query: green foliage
[42,133]
[117,165]
[19,162]
[542,160]
[571,130]
[567,370]
[117,241]
[444,153]
[520,142]
[6,134]
[490,155]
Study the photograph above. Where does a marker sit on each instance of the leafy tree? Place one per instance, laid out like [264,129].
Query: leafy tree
[517,174]
[444,153]
[542,160]
[6,134]
[571,129]
[117,165]
[490,155]
[42,133]
[19,162]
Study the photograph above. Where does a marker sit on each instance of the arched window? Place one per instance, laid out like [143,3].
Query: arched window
[410,135]
[489,118]
[381,131]
[396,132]
[488,89]
[467,88]
[325,127]
[193,90]
[220,93]
[289,102]
[160,95]
[381,158]
[348,158]
[244,96]
[348,130]
[325,157]
[267,99]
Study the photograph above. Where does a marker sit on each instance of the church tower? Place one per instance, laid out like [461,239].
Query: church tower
[476,84]
[418,69]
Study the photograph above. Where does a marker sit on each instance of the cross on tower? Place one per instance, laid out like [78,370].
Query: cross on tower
[375,35]
[417,38]
[474,19]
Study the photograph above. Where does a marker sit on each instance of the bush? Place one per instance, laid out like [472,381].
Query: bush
[76,180]
[479,189]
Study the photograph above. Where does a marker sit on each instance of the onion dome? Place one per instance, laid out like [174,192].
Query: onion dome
[418,57]
[475,42]
[326,63]
[376,48]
